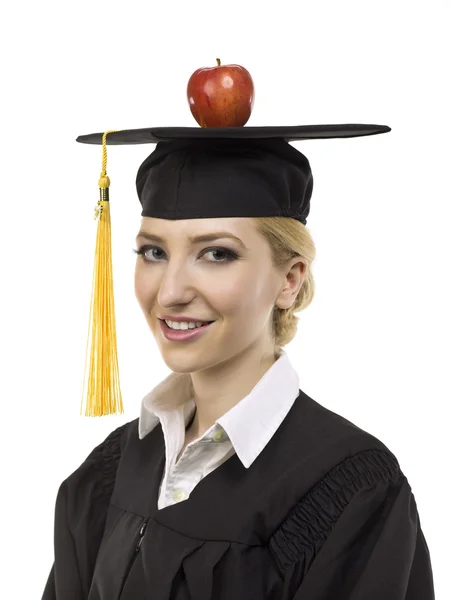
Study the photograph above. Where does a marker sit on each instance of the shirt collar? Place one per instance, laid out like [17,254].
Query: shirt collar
[250,424]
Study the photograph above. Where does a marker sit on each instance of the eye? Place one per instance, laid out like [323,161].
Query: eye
[230,255]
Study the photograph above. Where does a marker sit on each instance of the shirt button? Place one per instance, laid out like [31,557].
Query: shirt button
[179,495]
[218,435]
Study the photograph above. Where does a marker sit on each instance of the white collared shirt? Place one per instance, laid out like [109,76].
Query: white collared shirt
[245,429]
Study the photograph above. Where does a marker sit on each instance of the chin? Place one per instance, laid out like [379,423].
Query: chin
[184,361]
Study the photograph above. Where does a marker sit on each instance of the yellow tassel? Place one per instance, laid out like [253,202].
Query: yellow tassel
[104,395]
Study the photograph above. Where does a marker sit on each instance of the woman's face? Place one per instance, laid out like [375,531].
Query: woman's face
[221,280]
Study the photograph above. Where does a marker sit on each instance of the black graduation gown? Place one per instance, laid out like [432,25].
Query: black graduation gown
[323,513]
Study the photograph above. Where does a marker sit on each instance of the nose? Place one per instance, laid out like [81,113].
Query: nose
[176,286]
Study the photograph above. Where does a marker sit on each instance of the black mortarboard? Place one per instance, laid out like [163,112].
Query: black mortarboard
[199,172]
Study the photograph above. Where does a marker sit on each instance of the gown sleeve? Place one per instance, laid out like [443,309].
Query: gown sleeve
[356,536]
[80,515]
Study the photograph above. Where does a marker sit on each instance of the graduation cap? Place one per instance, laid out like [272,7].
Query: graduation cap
[196,172]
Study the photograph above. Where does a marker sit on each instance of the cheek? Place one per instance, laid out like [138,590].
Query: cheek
[143,288]
[238,296]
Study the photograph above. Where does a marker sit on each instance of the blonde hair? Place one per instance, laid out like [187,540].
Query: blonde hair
[287,238]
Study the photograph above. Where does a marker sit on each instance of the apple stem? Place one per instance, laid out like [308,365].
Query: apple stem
[218,61]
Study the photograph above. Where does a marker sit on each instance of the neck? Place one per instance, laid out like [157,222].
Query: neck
[218,389]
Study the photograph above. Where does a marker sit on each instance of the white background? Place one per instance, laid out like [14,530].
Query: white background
[373,346]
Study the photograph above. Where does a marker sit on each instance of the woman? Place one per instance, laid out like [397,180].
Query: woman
[233,483]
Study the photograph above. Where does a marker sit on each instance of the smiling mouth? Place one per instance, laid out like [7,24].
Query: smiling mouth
[203,324]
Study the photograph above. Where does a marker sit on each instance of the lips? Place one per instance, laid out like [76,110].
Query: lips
[196,327]
[183,335]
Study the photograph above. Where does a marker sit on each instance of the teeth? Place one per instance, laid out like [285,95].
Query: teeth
[183,324]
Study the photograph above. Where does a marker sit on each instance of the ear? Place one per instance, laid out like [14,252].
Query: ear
[294,275]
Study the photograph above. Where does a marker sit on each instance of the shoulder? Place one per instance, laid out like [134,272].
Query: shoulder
[341,469]
[322,452]
[324,429]
[96,473]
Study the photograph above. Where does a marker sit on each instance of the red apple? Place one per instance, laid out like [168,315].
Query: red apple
[221,96]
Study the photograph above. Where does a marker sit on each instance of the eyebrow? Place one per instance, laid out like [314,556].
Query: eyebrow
[194,239]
